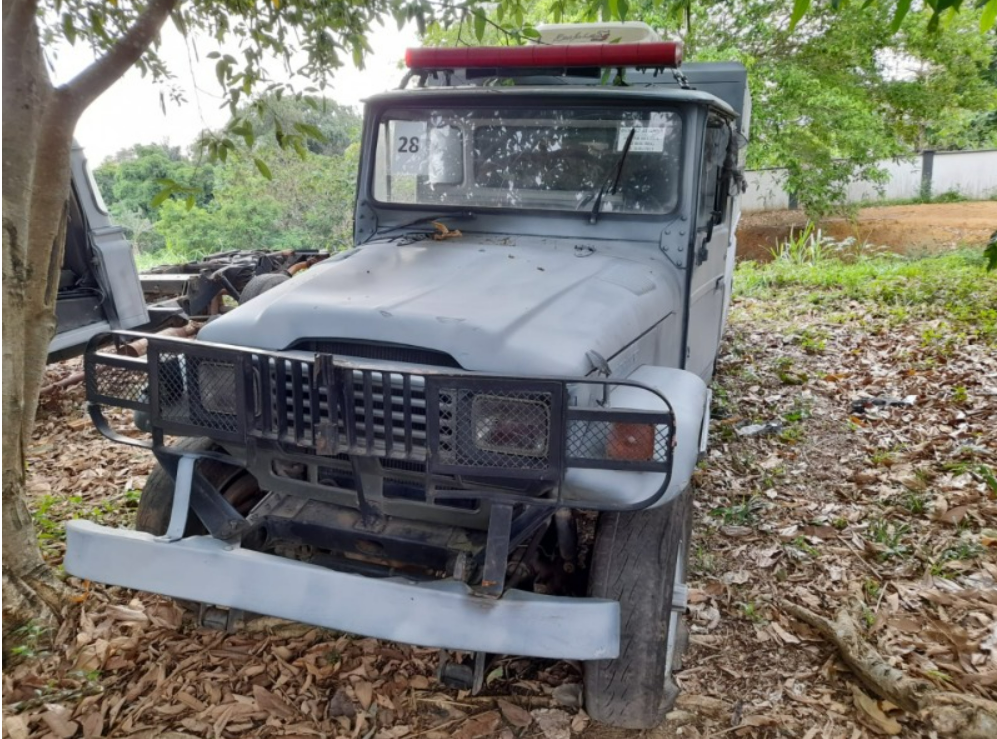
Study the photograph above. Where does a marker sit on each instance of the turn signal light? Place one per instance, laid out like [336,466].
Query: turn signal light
[631,442]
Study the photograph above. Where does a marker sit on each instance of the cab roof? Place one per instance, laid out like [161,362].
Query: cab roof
[564,90]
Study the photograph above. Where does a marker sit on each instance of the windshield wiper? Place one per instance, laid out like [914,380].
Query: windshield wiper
[614,178]
[460,215]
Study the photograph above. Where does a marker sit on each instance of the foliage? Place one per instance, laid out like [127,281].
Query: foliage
[129,181]
[303,204]
[845,88]
[333,127]
[990,253]
[299,203]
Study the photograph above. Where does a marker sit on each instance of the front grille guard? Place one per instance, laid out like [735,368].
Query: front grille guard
[329,407]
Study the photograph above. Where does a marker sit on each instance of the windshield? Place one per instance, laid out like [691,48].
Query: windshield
[553,159]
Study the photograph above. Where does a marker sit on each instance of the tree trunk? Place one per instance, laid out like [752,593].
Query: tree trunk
[38,124]
[37,139]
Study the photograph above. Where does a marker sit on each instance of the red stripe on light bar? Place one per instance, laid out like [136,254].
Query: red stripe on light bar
[657,54]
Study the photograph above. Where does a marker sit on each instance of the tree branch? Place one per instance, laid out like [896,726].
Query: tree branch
[93,81]
[949,714]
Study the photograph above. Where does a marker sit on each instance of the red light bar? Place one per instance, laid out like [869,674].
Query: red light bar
[657,54]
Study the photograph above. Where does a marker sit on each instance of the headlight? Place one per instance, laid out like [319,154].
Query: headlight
[510,425]
[216,383]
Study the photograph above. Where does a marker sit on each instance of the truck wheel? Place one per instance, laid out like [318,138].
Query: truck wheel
[638,559]
[156,502]
[260,284]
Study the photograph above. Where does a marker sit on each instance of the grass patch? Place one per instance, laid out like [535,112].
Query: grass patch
[889,537]
[738,514]
[50,513]
[901,288]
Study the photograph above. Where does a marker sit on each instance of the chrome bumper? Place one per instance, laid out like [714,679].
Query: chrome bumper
[441,614]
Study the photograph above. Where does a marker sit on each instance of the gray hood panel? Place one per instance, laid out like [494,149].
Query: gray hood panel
[509,305]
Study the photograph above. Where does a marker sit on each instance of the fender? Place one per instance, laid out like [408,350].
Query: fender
[690,399]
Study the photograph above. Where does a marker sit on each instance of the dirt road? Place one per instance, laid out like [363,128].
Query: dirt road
[901,228]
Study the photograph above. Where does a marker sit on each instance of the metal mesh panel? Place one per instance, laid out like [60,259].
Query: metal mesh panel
[118,382]
[627,441]
[198,391]
[505,429]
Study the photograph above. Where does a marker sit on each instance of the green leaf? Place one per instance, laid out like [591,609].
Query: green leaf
[262,166]
[479,26]
[800,8]
[161,197]
[903,7]
[312,132]
[68,29]
[221,70]
[190,202]
[989,17]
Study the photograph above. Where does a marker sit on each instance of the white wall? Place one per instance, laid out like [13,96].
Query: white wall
[970,173]
[904,182]
[765,190]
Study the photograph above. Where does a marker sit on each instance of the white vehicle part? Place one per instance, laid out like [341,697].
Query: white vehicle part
[441,613]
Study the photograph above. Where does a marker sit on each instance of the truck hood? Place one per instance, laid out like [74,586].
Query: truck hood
[509,305]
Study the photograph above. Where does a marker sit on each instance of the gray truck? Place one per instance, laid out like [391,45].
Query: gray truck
[476,429]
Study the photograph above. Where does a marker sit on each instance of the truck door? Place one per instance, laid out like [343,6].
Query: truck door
[709,288]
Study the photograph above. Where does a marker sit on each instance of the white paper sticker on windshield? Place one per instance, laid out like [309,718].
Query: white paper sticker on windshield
[409,148]
[646,138]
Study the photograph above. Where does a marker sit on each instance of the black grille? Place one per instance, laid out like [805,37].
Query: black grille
[381,351]
[369,412]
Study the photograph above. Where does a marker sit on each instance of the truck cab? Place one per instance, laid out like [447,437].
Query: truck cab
[476,429]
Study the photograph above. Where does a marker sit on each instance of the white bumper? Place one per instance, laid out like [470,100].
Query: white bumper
[441,614]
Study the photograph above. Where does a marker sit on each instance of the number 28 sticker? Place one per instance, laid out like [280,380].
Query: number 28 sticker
[408,148]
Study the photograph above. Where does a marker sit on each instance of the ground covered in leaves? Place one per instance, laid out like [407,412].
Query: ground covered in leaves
[852,460]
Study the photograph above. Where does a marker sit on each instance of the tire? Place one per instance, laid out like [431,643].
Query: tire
[156,502]
[260,284]
[636,560]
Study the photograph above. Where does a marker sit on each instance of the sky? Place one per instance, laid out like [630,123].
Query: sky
[130,112]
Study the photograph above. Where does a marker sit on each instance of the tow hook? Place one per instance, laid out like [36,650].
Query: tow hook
[466,675]
[219,619]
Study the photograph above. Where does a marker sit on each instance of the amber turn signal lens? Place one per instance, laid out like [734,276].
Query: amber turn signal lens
[631,442]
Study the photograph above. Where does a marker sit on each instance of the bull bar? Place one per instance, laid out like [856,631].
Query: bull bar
[324,408]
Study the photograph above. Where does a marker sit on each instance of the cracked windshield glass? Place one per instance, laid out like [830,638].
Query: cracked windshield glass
[536,159]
